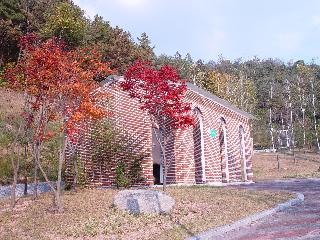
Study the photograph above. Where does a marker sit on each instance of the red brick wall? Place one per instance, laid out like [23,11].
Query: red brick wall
[181,151]
[211,112]
[126,116]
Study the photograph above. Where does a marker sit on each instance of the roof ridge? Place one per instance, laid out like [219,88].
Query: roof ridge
[218,100]
[200,91]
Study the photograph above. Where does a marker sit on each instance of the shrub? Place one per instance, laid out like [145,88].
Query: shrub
[121,177]
[5,170]
[135,172]
[115,148]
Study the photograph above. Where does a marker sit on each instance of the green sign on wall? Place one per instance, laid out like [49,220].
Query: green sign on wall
[213,133]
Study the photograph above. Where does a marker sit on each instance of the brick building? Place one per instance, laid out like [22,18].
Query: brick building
[218,149]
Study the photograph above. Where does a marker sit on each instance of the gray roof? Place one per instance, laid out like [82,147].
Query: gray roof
[110,79]
[218,100]
[113,78]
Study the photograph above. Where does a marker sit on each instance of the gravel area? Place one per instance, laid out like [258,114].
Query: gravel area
[5,191]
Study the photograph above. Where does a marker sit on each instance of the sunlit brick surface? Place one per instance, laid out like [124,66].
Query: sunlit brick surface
[184,151]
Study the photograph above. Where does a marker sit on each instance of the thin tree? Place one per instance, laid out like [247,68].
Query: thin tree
[270,116]
[314,114]
[61,85]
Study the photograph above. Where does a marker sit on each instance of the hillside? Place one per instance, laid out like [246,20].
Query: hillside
[11,102]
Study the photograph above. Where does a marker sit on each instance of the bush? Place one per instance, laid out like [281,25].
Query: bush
[115,148]
[121,176]
[135,172]
[5,170]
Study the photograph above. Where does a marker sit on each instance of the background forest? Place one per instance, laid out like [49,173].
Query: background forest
[282,96]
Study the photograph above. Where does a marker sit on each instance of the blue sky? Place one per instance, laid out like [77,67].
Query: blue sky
[284,29]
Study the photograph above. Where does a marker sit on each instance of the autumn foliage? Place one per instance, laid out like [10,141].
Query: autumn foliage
[60,82]
[59,87]
[161,93]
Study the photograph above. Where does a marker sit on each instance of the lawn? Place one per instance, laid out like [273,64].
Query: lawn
[89,214]
[265,166]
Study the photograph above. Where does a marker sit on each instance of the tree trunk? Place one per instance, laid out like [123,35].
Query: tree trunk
[162,142]
[291,116]
[270,120]
[38,166]
[13,190]
[165,166]
[35,174]
[15,166]
[304,127]
[57,207]
[302,108]
[61,160]
[314,115]
[25,192]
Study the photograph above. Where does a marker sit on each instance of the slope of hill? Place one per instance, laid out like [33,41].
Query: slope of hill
[11,102]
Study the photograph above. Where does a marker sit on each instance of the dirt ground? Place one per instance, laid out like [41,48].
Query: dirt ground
[304,165]
[89,214]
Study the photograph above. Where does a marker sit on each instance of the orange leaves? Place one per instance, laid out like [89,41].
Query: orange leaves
[60,82]
[48,135]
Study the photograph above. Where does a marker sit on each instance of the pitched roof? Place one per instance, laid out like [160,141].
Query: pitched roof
[218,100]
[113,78]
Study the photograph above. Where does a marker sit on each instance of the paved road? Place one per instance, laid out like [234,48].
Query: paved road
[297,222]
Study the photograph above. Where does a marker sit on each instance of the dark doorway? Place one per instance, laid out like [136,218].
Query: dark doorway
[156,173]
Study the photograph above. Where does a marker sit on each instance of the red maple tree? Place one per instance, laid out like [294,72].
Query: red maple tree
[58,86]
[161,93]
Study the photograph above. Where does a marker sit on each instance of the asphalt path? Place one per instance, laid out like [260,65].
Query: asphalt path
[300,221]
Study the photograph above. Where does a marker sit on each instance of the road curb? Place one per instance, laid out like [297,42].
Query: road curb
[219,231]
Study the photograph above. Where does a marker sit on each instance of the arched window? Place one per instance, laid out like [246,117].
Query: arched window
[198,143]
[242,153]
[224,150]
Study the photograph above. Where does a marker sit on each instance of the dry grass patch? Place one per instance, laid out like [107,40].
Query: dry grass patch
[265,166]
[11,102]
[89,214]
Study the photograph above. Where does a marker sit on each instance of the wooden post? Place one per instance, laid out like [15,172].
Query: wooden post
[278,161]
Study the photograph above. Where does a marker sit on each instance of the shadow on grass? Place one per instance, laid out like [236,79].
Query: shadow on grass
[183,227]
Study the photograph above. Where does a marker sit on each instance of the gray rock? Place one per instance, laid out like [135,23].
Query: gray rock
[143,201]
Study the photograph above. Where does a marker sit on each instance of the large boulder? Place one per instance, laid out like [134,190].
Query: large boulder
[143,201]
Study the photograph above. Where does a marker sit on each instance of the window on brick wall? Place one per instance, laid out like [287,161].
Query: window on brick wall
[224,150]
[242,153]
[198,146]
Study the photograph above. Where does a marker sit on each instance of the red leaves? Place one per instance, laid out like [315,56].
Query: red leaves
[59,82]
[161,92]
[28,41]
